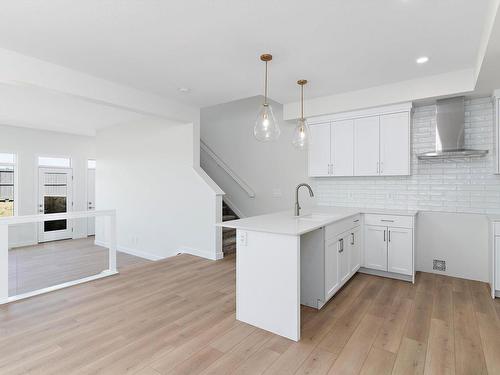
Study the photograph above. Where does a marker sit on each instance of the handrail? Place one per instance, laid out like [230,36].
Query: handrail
[227,169]
[38,218]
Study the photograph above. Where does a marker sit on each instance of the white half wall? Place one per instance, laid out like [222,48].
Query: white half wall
[272,170]
[459,239]
[163,205]
[28,144]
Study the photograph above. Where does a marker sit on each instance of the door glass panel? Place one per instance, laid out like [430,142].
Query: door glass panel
[55,200]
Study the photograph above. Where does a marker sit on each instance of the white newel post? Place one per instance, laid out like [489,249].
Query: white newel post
[111,235]
[4,263]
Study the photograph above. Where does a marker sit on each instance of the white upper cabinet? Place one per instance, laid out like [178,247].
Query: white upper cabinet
[319,150]
[373,142]
[366,146]
[395,144]
[342,148]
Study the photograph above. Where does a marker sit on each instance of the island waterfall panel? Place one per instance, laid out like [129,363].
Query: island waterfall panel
[268,282]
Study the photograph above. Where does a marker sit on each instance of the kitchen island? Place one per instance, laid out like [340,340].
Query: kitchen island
[269,261]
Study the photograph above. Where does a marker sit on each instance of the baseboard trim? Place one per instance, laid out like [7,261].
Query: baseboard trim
[391,275]
[22,244]
[201,253]
[137,253]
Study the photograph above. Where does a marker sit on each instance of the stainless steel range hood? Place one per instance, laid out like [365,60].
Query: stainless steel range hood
[450,125]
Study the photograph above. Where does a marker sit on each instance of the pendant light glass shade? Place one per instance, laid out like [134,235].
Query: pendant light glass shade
[301,135]
[266,128]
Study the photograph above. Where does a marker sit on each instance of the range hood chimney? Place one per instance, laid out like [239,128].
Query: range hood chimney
[450,126]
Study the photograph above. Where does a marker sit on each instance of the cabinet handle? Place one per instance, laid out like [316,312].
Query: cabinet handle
[352,238]
[387,220]
[381,167]
[389,236]
[384,235]
[341,245]
[378,167]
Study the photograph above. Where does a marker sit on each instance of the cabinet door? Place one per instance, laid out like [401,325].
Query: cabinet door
[355,249]
[395,144]
[342,147]
[344,254]
[376,247]
[331,267]
[400,250]
[366,146]
[319,150]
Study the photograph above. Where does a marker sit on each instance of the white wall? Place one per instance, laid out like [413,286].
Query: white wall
[453,195]
[272,170]
[164,207]
[28,144]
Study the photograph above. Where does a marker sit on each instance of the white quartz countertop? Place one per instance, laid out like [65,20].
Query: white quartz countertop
[286,223]
[493,217]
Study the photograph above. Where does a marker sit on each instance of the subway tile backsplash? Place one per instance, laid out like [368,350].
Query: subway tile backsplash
[451,185]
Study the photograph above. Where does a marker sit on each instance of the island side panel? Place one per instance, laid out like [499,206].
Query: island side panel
[268,282]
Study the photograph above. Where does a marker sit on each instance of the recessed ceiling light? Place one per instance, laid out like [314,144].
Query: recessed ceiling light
[183,89]
[422,60]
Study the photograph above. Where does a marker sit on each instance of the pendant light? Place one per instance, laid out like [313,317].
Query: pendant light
[301,133]
[266,128]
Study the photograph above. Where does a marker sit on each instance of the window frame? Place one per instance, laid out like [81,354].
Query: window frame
[38,157]
[15,168]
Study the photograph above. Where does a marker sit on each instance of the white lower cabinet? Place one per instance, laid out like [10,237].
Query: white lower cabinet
[332,278]
[355,249]
[376,247]
[399,250]
[389,247]
[343,259]
[329,258]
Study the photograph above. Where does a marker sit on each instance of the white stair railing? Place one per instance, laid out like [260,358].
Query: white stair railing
[227,169]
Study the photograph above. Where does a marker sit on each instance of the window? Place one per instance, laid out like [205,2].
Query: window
[7,170]
[47,161]
[91,164]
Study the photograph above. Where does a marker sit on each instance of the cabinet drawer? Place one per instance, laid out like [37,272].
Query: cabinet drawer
[333,230]
[389,220]
[497,229]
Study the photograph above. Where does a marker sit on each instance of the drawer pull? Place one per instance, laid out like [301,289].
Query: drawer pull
[387,220]
[356,221]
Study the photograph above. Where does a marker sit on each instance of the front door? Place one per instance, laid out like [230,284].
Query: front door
[55,190]
[91,200]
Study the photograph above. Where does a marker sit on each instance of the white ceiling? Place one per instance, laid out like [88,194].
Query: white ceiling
[41,109]
[212,46]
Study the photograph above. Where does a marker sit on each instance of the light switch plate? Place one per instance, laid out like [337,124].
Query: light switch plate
[242,238]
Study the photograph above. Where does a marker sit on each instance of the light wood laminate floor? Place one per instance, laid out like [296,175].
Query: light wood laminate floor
[51,263]
[177,317]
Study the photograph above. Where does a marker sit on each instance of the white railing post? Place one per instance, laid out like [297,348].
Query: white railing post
[4,263]
[111,237]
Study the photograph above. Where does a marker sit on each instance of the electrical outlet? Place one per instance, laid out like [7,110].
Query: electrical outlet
[439,265]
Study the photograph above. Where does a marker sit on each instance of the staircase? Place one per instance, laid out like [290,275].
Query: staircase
[228,234]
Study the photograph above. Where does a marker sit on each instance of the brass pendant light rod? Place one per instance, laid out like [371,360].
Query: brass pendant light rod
[266,58]
[302,82]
